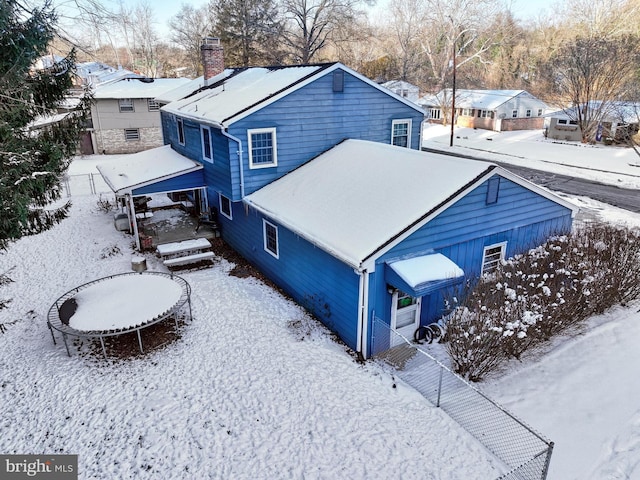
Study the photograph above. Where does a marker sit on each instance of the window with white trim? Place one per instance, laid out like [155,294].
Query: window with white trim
[492,256]
[262,148]
[126,105]
[152,105]
[207,145]
[514,114]
[270,232]
[401,133]
[528,114]
[435,113]
[467,112]
[562,121]
[225,207]
[131,134]
[539,112]
[180,126]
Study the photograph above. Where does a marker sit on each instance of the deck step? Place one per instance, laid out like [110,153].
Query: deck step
[196,257]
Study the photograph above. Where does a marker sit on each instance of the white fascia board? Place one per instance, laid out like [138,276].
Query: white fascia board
[131,188]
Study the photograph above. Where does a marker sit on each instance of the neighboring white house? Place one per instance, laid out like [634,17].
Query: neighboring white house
[126,116]
[499,110]
[616,122]
[404,89]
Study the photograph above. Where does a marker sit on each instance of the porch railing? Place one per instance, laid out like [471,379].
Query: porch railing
[524,452]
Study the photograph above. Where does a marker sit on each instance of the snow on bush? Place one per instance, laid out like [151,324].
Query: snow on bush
[545,292]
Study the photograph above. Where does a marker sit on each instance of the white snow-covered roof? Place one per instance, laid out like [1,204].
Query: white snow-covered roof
[239,92]
[96,73]
[627,112]
[138,88]
[144,168]
[191,87]
[236,93]
[360,195]
[482,99]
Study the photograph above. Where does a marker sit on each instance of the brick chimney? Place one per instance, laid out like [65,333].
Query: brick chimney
[212,57]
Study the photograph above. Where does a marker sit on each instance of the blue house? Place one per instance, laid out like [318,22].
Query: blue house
[319,182]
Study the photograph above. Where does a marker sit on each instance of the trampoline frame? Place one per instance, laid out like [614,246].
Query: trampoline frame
[54,322]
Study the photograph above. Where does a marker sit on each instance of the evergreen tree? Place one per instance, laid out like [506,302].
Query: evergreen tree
[32,163]
[250,31]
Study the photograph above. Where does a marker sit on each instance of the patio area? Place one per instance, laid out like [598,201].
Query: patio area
[171,223]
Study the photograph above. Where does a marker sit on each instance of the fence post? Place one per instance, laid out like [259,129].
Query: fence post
[439,387]
[545,470]
[92,184]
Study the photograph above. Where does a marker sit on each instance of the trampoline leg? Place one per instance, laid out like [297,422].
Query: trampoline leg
[64,337]
[140,341]
[104,350]
[52,335]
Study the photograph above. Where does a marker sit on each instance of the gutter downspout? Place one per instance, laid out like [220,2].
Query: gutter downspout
[363,327]
[240,160]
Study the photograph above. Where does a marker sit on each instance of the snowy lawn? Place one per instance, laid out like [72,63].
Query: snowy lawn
[253,388]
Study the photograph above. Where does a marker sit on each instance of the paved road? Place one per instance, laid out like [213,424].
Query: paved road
[628,199]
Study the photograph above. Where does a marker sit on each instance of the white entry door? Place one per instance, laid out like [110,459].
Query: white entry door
[405,316]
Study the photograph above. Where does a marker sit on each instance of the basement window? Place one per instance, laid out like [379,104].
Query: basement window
[131,134]
[492,256]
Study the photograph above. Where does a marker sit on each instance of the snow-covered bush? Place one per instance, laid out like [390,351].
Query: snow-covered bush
[543,293]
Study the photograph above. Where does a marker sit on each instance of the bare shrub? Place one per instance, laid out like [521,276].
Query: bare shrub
[548,291]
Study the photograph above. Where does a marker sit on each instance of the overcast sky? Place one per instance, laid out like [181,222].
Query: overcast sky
[165,9]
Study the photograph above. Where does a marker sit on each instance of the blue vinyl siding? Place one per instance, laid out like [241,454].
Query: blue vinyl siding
[520,217]
[220,174]
[187,181]
[317,281]
[314,118]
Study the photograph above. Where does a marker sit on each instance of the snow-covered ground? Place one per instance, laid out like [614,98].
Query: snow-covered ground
[256,389]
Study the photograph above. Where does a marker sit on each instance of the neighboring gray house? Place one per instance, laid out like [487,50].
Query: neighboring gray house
[126,116]
[498,110]
[616,121]
[403,89]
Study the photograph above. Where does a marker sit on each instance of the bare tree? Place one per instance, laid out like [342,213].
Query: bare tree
[310,24]
[458,26]
[145,39]
[589,74]
[188,27]
[402,33]
[602,18]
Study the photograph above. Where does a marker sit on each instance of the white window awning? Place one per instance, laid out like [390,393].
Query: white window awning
[418,276]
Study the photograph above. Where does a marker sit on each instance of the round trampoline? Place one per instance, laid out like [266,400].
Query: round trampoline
[119,304]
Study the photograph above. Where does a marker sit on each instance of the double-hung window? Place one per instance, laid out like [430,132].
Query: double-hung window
[492,256]
[514,113]
[225,207]
[152,105]
[263,151]
[126,105]
[401,133]
[207,145]
[270,232]
[528,112]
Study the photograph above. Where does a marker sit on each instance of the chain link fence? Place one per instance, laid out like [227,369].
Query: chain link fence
[524,452]
[84,184]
